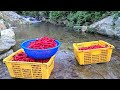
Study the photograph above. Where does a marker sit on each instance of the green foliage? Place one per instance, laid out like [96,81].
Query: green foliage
[55,15]
[78,17]
[73,17]
[85,17]
[31,13]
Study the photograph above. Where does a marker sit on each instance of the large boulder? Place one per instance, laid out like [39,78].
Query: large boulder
[6,43]
[7,40]
[8,33]
[107,26]
[12,17]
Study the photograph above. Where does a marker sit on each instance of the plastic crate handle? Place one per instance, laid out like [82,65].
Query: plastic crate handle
[109,45]
[75,44]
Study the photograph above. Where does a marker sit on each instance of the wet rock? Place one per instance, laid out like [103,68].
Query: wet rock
[65,22]
[12,17]
[107,21]
[2,56]
[69,48]
[80,28]
[77,28]
[8,33]
[70,60]
[42,16]
[7,40]
[118,48]
[106,27]
[60,77]
[74,75]
[6,43]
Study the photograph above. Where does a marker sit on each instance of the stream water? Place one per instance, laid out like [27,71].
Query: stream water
[66,67]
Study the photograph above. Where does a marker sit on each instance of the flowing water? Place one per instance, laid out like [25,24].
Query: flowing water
[66,66]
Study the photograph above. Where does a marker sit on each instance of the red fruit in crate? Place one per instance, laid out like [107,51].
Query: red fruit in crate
[32,60]
[23,57]
[91,47]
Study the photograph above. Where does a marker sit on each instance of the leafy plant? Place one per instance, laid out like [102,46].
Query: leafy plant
[78,18]
[55,15]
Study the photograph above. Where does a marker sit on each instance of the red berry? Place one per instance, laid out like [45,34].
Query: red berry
[23,57]
[43,43]
[92,47]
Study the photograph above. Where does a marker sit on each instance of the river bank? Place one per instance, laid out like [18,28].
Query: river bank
[66,66]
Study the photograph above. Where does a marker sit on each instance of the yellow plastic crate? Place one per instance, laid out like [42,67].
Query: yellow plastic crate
[94,55]
[29,70]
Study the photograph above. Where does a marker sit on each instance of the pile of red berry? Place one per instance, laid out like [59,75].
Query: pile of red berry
[43,43]
[23,57]
[92,47]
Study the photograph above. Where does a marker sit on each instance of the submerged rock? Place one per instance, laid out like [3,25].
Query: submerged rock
[80,28]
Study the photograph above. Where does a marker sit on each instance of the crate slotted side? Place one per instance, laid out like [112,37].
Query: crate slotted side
[29,70]
[92,56]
